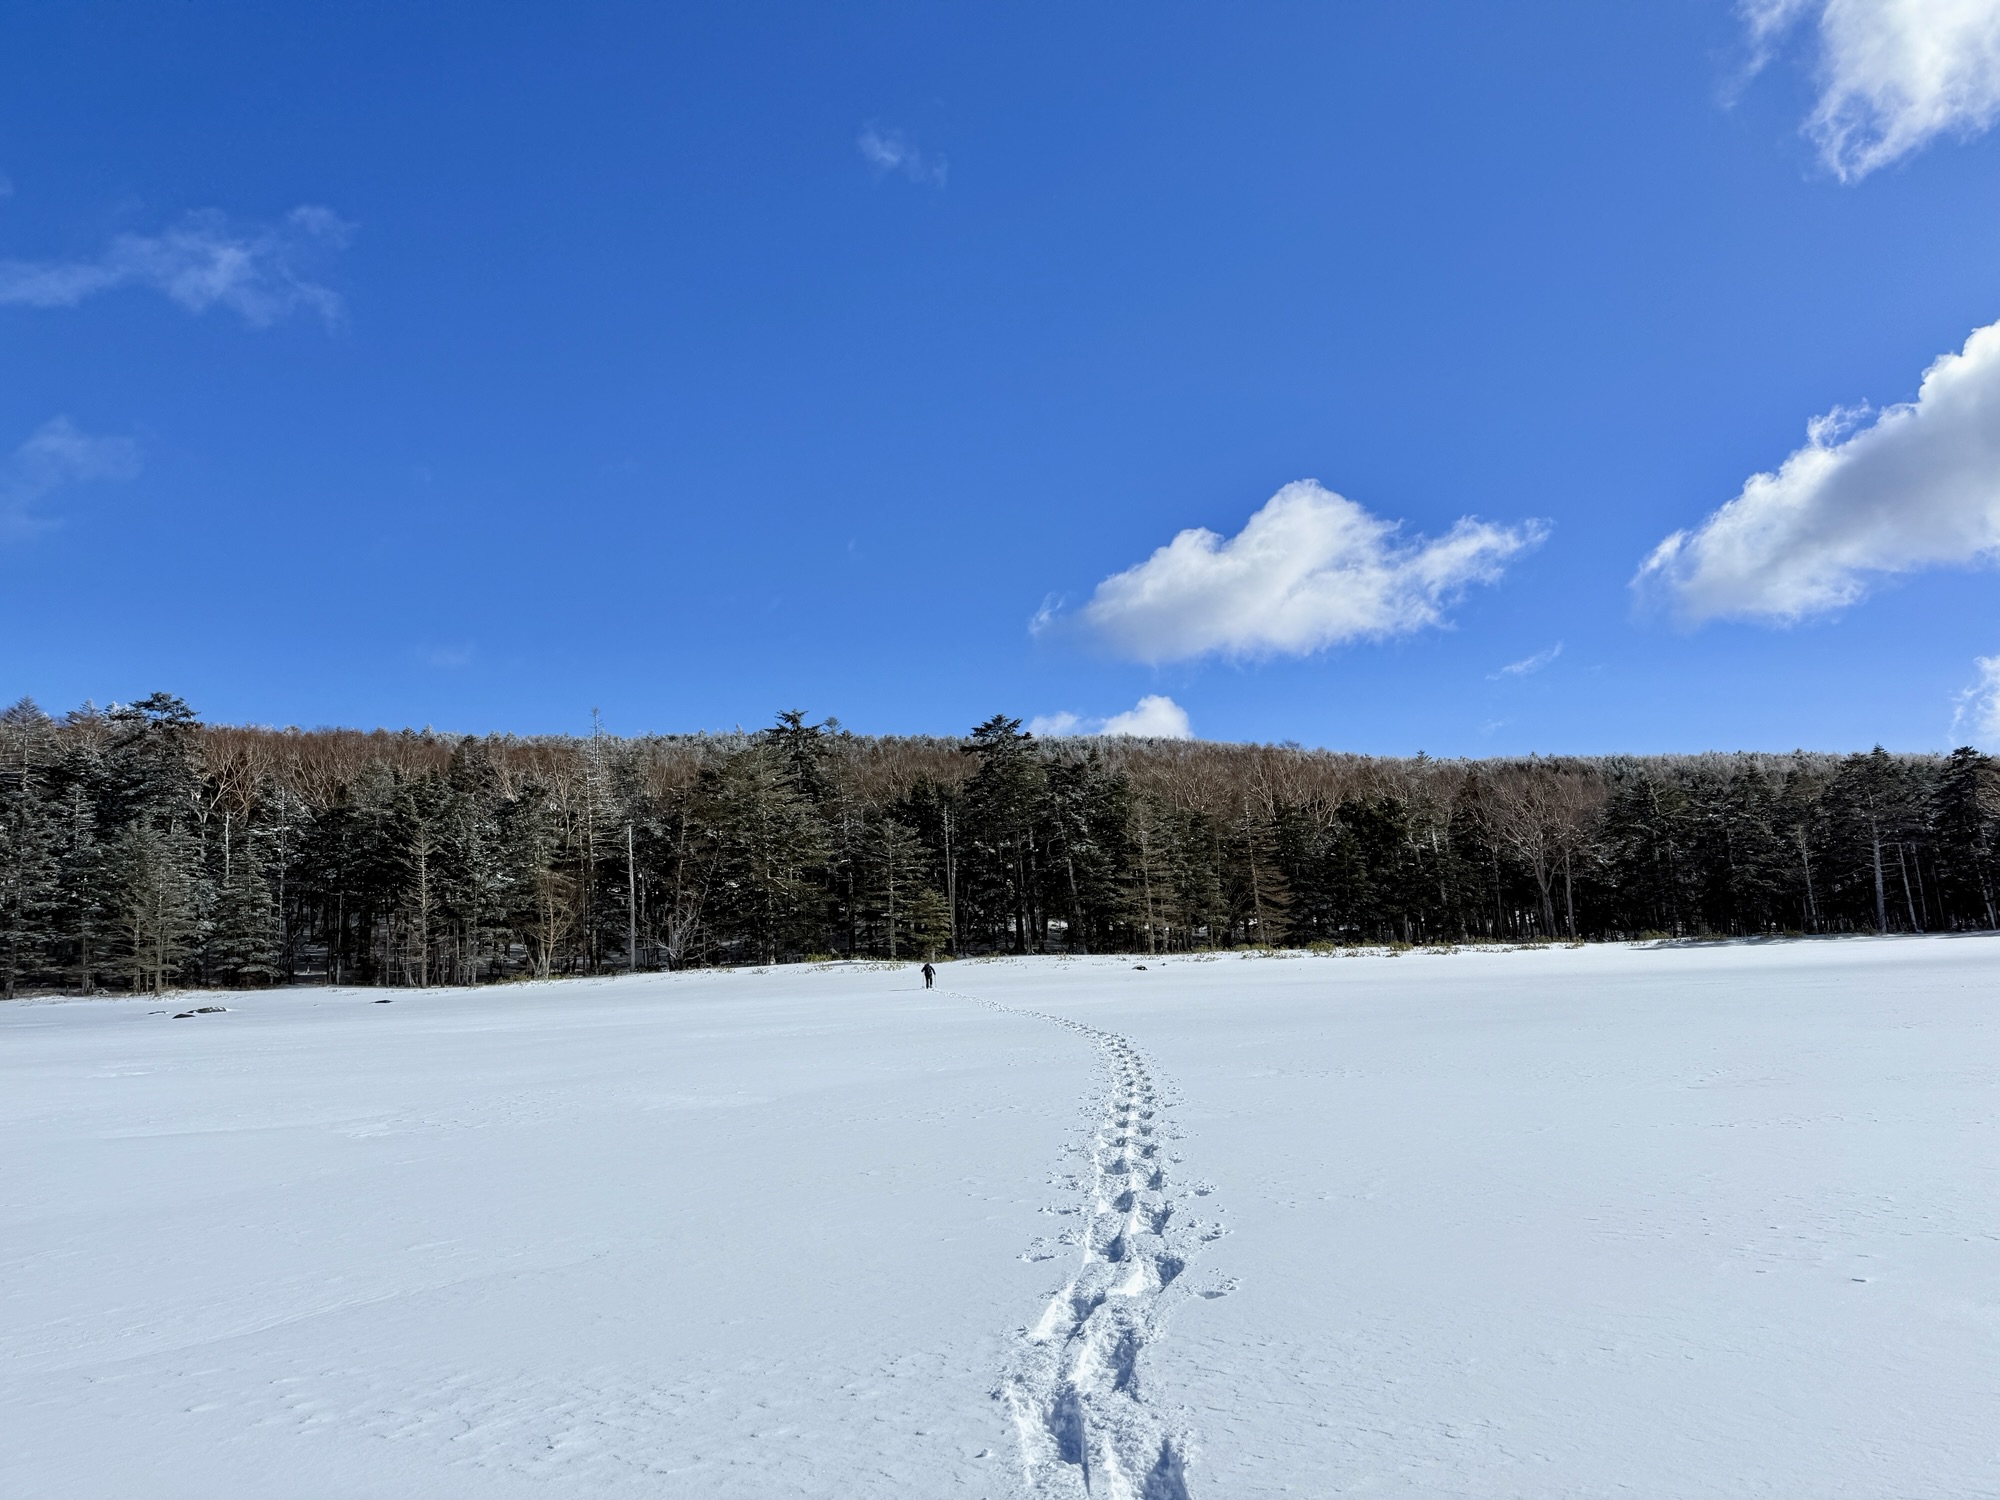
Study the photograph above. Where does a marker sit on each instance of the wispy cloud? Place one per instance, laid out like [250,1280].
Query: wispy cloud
[1914,486]
[1893,74]
[1529,664]
[1978,706]
[446,657]
[262,274]
[58,453]
[891,151]
[1310,569]
[1153,717]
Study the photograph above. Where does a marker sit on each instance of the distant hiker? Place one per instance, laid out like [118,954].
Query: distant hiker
[930,976]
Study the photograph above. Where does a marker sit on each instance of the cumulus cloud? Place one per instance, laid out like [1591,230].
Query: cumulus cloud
[1893,74]
[1978,707]
[261,274]
[1530,664]
[1914,486]
[890,151]
[58,453]
[1310,569]
[1153,717]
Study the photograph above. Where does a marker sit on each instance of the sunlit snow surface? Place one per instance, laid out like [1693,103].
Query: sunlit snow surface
[1681,1221]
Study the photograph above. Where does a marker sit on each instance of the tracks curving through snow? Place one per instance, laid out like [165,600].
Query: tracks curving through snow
[1087,1420]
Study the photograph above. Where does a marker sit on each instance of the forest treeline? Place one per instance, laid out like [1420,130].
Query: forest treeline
[142,850]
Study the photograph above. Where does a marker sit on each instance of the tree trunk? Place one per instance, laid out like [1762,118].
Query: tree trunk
[950,887]
[424,914]
[1909,901]
[1146,882]
[1256,889]
[1881,904]
[1805,864]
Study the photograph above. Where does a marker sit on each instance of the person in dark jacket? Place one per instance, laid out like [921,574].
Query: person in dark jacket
[930,976]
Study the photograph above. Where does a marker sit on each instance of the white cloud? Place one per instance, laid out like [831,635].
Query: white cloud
[1893,74]
[260,274]
[1530,664]
[891,151]
[1309,570]
[1916,487]
[1057,725]
[1154,717]
[57,454]
[1979,705]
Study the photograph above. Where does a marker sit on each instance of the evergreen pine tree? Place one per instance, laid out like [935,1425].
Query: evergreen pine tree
[244,944]
[1002,865]
[28,869]
[1964,813]
[158,910]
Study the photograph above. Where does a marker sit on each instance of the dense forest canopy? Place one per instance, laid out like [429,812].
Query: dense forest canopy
[142,850]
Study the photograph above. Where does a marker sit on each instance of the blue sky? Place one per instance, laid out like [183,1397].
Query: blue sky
[476,366]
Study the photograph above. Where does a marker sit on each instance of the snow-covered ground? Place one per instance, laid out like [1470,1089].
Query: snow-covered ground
[1696,1221]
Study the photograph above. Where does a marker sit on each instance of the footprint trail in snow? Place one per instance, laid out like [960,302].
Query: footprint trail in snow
[1088,1422]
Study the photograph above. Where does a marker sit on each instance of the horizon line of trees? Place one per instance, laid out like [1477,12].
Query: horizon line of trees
[142,850]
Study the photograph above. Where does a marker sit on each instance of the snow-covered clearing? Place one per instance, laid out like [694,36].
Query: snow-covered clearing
[1696,1221]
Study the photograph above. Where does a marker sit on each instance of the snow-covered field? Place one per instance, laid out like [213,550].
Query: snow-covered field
[1697,1221]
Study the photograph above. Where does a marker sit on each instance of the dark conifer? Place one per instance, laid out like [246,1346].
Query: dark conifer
[142,850]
